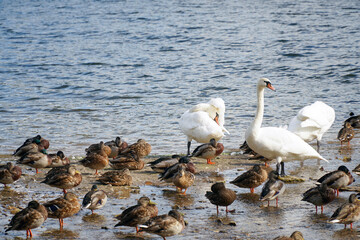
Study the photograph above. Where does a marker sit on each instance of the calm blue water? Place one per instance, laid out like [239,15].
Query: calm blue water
[78,72]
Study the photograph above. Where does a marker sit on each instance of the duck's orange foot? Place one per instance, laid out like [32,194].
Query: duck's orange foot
[210,162]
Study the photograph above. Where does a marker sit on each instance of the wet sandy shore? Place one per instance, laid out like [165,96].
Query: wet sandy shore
[250,220]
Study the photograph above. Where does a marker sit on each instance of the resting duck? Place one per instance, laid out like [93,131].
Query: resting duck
[36,160]
[116,178]
[337,179]
[346,133]
[354,120]
[319,196]
[294,236]
[9,173]
[33,216]
[98,148]
[66,177]
[253,155]
[348,212]
[141,148]
[170,172]
[32,145]
[183,179]
[208,151]
[129,160]
[63,207]
[220,196]
[138,214]
[94,199]
[98,159]
[58,160]
[116,146]
[160,164]
[166,225]
[252,178]
[204,122]
[272,189]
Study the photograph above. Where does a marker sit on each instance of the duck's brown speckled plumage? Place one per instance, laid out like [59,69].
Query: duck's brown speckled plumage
[346,134]
[116,178]
[251,178]
[94,199]
[66,177]
[183,179]
[59,159]
[116,146]
[9,173]
[208,151]
[141,148]
[97,159]
[36,160]
[129,160]
[337,179]
[319,196]
[294,236]
[347,213]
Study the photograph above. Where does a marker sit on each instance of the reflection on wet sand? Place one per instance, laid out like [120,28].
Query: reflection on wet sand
[57,234]
[94,218]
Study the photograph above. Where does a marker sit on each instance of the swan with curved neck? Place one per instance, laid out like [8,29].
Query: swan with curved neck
[276,143]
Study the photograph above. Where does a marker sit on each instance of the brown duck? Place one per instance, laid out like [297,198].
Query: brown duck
[66,177]
[346,133]
[116,178]
[97,159]
[319,196]
[9,173]
[129,160]
[141,147]
[220,196]
[208,151]
[252,178]
[116,146]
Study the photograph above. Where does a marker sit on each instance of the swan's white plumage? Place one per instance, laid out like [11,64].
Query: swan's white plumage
[312,121]
[276,143]
[198,122]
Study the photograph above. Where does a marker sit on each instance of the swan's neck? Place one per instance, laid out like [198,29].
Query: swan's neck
[256,124]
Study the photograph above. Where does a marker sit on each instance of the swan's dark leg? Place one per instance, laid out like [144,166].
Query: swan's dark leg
[188,146]
[278,168]
[282,169]
[318,145]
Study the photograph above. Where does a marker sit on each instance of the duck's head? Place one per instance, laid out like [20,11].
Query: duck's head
[265,83]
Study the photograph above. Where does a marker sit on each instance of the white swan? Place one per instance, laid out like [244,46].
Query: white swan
[312,122]
[204,122]
[276,143]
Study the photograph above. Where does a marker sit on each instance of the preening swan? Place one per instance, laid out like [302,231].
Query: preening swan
[273,142]
[312,121]
[204,122]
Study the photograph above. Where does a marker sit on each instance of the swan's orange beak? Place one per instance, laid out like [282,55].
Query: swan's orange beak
[269,86]
[216,119]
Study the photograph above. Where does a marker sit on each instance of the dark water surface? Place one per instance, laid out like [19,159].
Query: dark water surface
[78,72]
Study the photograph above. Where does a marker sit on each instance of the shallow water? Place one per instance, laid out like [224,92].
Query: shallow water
[81,72]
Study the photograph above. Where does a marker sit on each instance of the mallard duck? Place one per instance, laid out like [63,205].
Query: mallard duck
[29,218]
[346,133]
[129,160]
[63,207]
[9,173]
[354,120]
[348,212]
[98,148]
[117,178]
[36,160]
[220,196]
[272,189]
[337,179]
[294,236]
[141,148]
[170,172]
[319,196]
[208,151]
[251,178]
[253,155]
[58,160]
[34,144]
[166,225]
[138,214]
[183,179]
[116,146]
[94,199]
[204,122]
[96,160]
[66,177]
[160,164]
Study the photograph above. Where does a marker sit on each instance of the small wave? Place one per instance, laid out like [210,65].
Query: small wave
[293,55]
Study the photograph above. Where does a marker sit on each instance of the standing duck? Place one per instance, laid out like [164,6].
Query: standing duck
[116,178]
[63,207]
[354,120]
[252,178]
[208,151]
[348,212]
[204,122]
[272,189]
[94,199]
[183,179]
[36,160]
[319,196]
[66,177]
[220,196]
[9,173]
[274,142]
[170,172]
[346,133]
[165,225]
[33,216]
[141,148]
[58,159]
[137,214]
[337,179]
[312,121]
[160,164]
[116,146]
[129,160]
[98,159]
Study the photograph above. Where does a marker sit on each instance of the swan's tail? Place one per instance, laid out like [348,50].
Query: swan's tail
[224,130]
[321,158]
